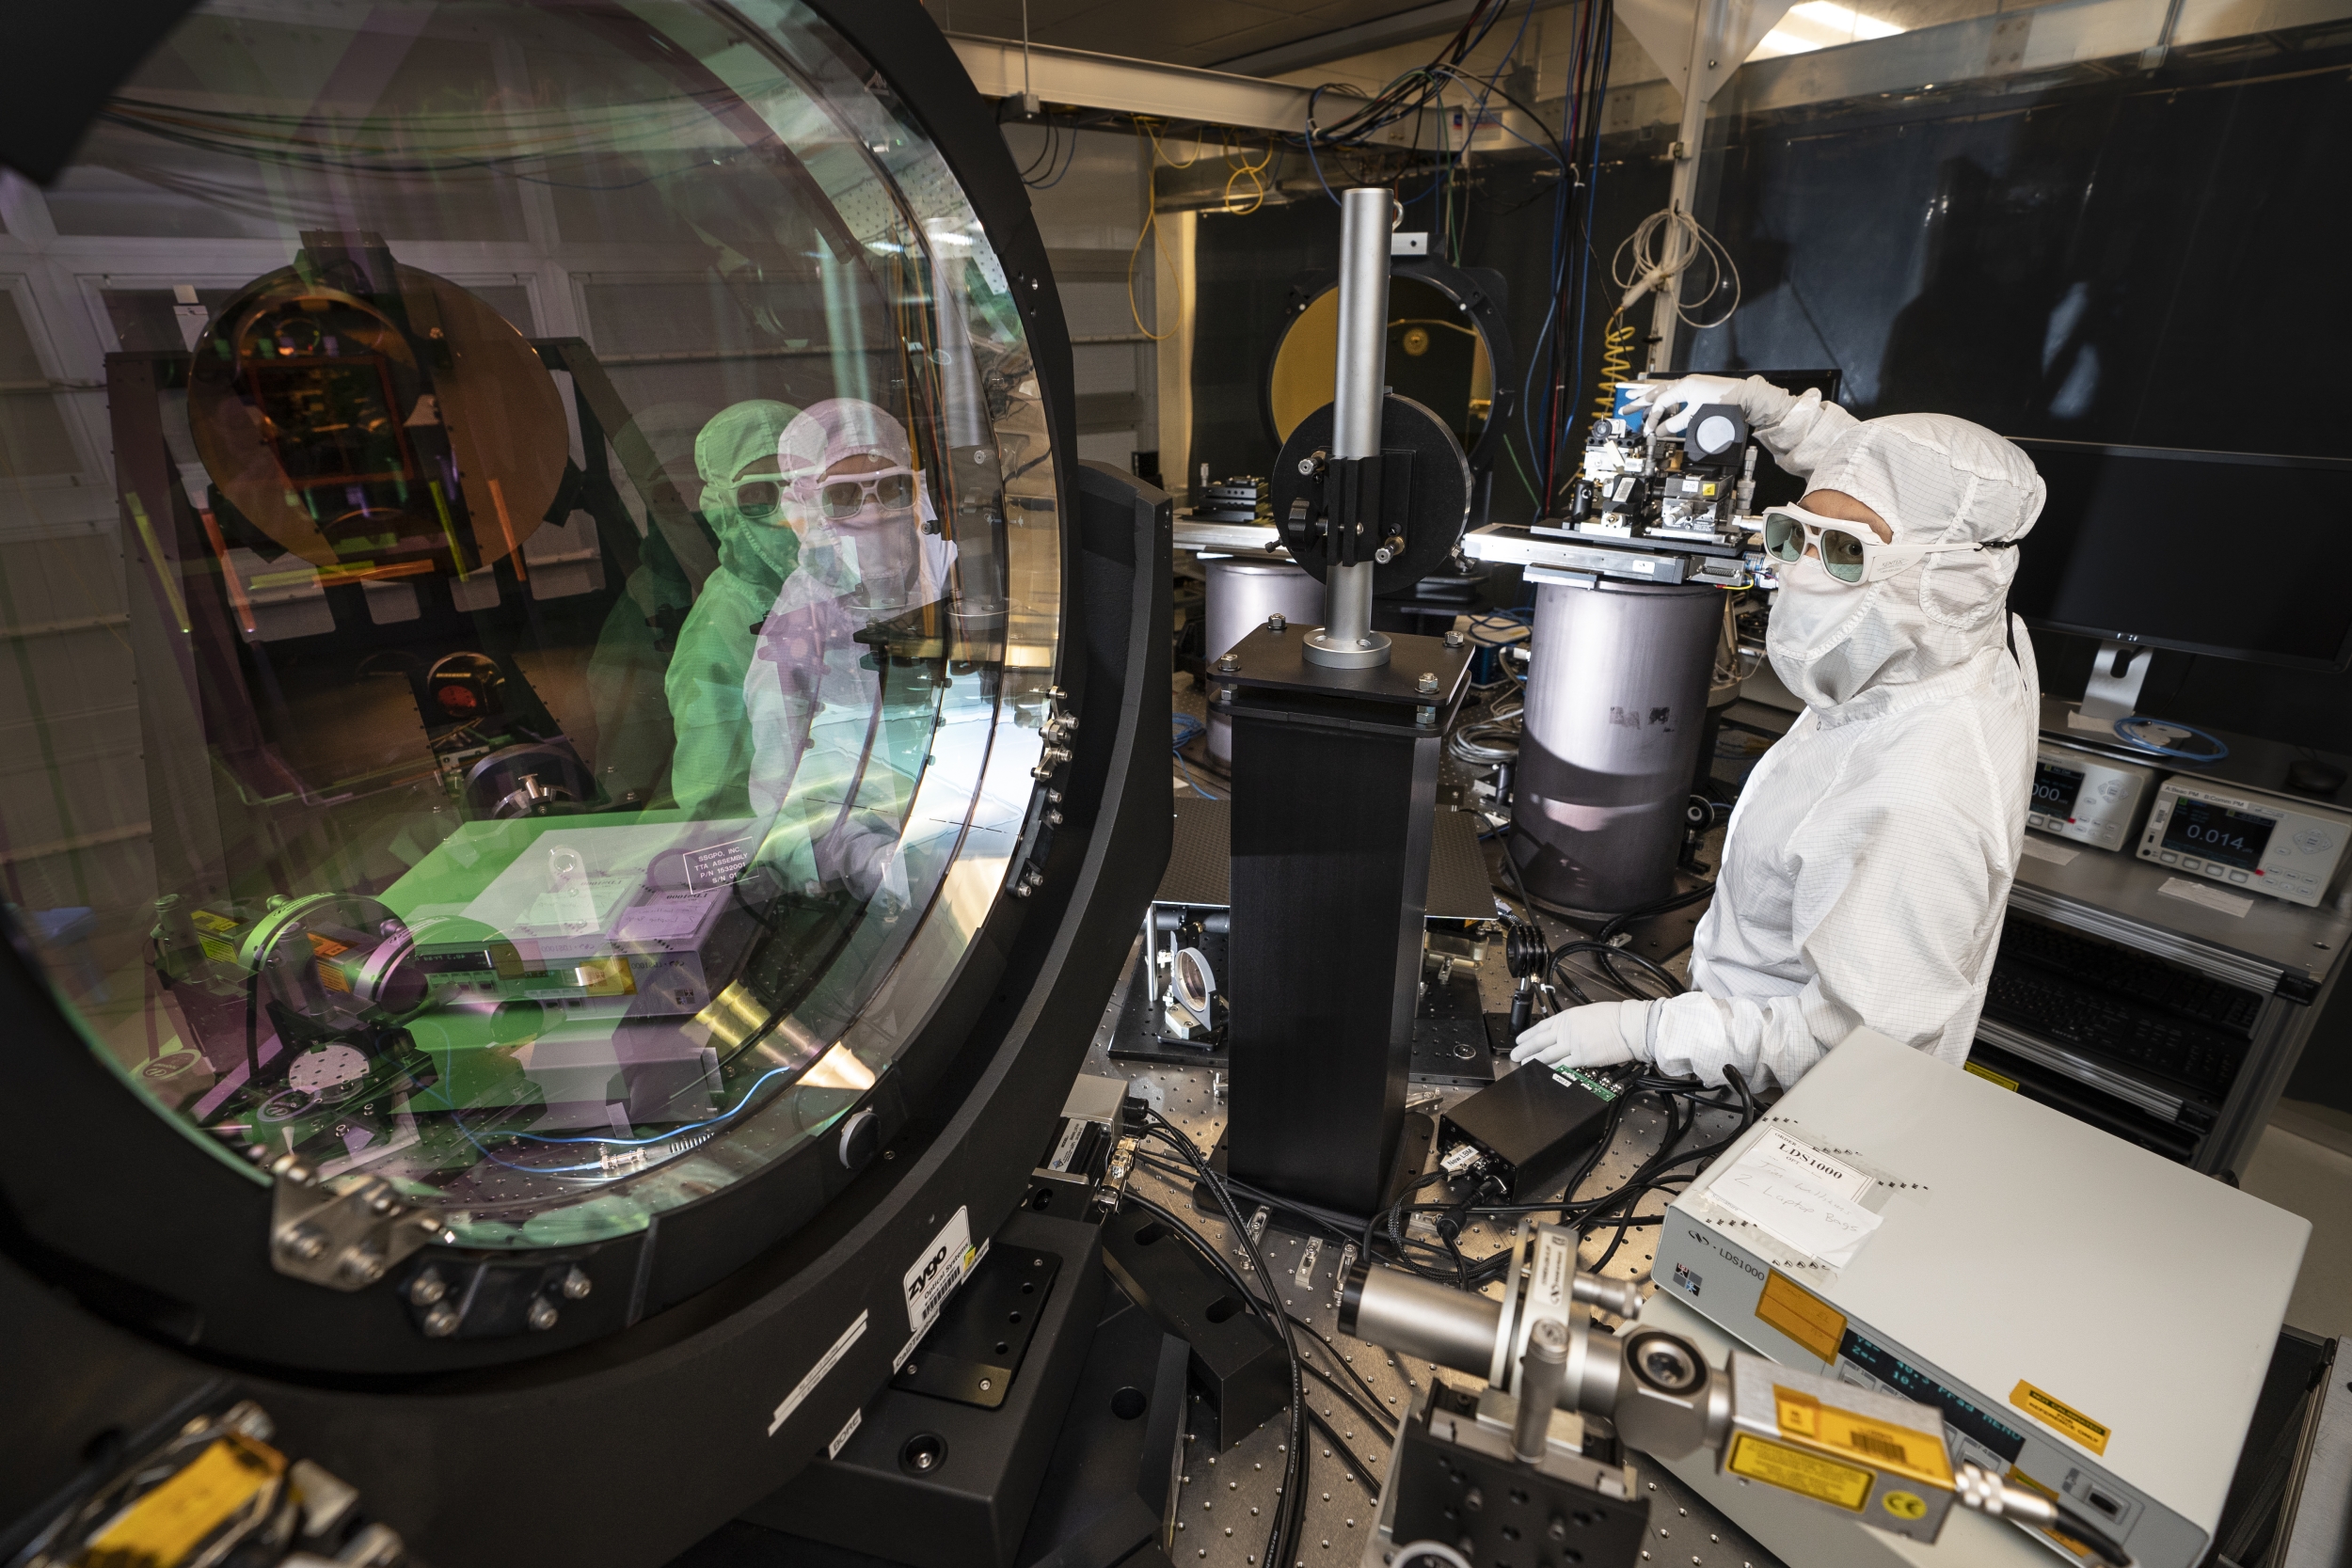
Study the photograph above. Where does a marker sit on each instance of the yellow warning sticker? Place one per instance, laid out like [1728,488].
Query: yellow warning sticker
[170,1522]
[1881,1443]
[1989,1076]
[1800,1315]
[2060,1416]
[1846,1486]
[206,920]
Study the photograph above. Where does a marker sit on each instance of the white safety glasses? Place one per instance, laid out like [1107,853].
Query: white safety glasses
[1850,551]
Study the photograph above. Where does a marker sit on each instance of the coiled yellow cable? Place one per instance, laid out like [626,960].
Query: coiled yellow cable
[1616,362]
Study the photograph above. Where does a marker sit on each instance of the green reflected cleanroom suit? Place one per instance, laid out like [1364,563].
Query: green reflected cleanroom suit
[711,772]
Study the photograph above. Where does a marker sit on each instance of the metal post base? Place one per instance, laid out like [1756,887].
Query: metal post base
[2116,677]
[1367,652]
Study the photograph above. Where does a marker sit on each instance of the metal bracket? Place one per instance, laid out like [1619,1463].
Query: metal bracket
[1037,833]
[345,1234]
[1114,1175]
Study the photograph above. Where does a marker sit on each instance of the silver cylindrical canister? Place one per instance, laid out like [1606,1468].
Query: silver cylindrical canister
[1242,592]
[1616,699]
[1358,393]
[1412,1315]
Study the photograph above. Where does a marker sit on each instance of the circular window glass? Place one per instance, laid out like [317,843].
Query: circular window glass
[533,583]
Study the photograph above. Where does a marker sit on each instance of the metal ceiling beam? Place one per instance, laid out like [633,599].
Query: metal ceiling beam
[1090,81]
[1421,22]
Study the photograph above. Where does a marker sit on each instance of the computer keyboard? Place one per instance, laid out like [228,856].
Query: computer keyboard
[2121,1005]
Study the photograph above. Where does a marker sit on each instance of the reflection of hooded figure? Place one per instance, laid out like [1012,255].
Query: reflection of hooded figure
[736,455]
[895,550]
[823,719]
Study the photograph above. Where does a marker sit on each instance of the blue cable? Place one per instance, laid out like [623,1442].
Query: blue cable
[674,1132]
[2144,744]
[1197,729]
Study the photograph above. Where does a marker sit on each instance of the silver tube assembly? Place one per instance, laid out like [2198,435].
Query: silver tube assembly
[1359,392]
[1419,1317]
[1656,1387]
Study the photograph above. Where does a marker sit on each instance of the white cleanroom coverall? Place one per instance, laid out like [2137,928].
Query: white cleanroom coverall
[1867,864]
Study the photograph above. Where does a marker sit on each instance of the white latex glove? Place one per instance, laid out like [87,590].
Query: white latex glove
[1602,1035]
[1671,403]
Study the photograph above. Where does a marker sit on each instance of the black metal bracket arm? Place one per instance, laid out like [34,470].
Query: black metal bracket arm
[1359,508]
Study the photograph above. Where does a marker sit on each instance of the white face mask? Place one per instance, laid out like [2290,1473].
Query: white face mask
[1814,615]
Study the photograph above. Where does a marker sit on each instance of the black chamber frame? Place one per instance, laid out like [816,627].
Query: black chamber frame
[137,1262]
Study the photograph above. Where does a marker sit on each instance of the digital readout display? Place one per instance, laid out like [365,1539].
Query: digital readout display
[1960,1414]
[2217,832]
[2056,789]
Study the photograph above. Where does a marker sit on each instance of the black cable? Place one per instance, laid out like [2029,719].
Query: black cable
[1369,1416]
[1606,956]
[1209,1252]
[1347,1367]
[2081,1528]
[1215,1256]
[1664,905]
[1353,1458]
[1278,1535]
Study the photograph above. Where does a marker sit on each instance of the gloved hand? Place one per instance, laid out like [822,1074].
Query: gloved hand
[1671,403]
[1600,1035]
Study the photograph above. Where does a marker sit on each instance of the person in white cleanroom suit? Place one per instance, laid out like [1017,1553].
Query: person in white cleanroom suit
[833,752]
[1869,861]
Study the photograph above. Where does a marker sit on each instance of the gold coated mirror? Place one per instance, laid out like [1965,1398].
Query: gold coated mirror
[1436,357]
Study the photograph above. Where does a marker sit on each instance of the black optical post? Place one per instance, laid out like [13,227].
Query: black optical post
[1336,743]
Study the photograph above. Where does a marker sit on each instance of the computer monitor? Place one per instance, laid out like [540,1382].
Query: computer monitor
[2234,554]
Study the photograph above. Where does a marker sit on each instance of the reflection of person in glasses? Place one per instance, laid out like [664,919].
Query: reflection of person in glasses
[819,708]
[743,501]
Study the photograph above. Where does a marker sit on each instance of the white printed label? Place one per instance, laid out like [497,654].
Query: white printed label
[1801,1195]
[825,1362]
[1547,1282]
[2042,849]
[942,1266]
[2212,897]
[717,865]
[849,1430]
[1071,1131]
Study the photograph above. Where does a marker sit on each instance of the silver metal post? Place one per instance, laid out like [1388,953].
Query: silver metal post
[1540,1374]
[1359,384]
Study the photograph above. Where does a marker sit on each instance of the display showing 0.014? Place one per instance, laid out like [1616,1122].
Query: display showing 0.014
[2233,837]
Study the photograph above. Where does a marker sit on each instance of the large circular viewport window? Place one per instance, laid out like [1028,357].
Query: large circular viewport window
[529,580]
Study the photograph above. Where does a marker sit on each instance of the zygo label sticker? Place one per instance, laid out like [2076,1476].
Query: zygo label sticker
[941,1267]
